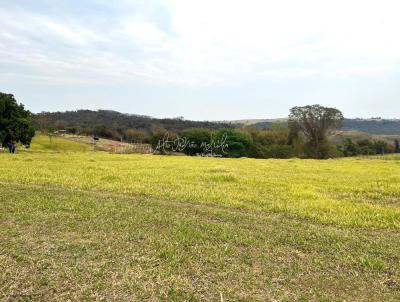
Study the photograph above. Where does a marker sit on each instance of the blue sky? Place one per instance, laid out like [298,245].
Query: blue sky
[204,60]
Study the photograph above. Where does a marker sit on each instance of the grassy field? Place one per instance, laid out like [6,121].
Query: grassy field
[44,143]
[75,143]
[97,226]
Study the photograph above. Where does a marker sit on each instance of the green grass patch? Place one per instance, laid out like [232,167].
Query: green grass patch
[45,143]
[61,244]
[96,226]
[352,191]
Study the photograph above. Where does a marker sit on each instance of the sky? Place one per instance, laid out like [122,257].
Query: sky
[202,59]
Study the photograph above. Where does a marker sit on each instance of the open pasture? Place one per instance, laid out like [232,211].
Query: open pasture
[98,226]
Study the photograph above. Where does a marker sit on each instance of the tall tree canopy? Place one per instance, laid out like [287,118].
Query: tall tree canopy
[397,146]
[15,123]
[315,121]
[232,143]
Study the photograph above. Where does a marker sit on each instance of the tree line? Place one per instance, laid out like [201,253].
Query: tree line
[368,147]
[275,142]
[115,125]
[305,135]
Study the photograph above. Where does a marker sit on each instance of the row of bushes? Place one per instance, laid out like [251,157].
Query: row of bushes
[275,142]
[367,147]
[245,142]
[260,143]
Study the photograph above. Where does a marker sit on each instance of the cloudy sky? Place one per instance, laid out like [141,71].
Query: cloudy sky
[202,59]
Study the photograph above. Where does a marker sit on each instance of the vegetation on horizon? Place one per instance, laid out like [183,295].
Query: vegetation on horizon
[305,136]
[276,141]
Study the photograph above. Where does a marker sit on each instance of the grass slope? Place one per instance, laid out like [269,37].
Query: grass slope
[57,144]
[72,143]
[351,191]
[97,226]
[60,244]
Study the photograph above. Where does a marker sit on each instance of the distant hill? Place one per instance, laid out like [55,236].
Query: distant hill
[371,126]
[338,137]
[88,121]
[109,123]
[252,122]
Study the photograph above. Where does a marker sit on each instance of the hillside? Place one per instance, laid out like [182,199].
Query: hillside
[94,121]
[372,126]
[78,143]
[338,137]
[88,121]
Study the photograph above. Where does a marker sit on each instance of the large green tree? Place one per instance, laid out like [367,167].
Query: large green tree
[198,139]
[396,146]
[15,122]
[231,143]
[315,121]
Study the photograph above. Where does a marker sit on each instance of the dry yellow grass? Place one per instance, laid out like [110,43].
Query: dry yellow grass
[97,226]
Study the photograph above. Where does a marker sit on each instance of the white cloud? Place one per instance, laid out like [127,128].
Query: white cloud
[216,41]
[231,36]
[141,30]
[191,44]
